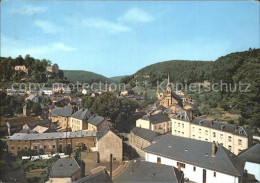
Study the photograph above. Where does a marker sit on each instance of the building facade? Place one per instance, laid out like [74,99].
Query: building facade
[51,142]
[232,137]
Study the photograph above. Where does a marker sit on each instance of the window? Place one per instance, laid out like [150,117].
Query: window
[214,134]
[229,148]
[229,138]
[239,142]
[182,133]
[155,127]
[35,147]
[194,168]
[53,146]
[182,125]
[178,124]
[44,147]
[221,136]
[182,165]
[25,141]
[12,147]
[19,148]
[215,174]
[206,132]
[158,160]
[206,139]
[60,139]
[199,130]
[193,128]
[199,137]
[193,136]
[25,147]
[60,145]
[19,141]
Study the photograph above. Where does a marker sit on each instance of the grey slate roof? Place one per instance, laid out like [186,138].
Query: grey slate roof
[252,154]
[222,126]
[95,119]
[143,171]
[54,135]
[146,134]
[157,118]
[62,111]
[64,168]
[197,153]
[82,114]
[101,176]
[103,132]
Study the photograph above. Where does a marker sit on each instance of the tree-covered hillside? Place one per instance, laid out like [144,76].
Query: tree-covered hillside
[84,76]
[180,71]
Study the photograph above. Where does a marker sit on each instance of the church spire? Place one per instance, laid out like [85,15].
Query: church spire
[168,78]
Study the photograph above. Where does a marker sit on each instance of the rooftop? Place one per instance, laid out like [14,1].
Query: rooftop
[157,118]
[101,176]
[64,168]
[95,119]
[252,154]
[146,134]
[198,153]
[55,135]
[82,114]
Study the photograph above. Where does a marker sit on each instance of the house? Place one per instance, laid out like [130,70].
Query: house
[79,120]
[234,138]
[58,87]
[142,138]
[143,171]
[62,115]
[33,98]
[96,122]
[85,92]
[124,93]
[41,129]
[21,68]
[53,69]
[101,176]
[65,170]
[169,97]
[47,91]
[160,123]
[26,110]
[252,158]
[109,143]
[51,142]
[200,161]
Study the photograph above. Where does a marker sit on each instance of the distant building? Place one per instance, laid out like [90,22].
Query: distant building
[160,123]
[200,161]
[21,68]
[124,93]
[79,120]
[109,143]
[26,110]
[143,171]
[33,98]
[234,138]
[169,97]
[252,158]
[51,142]
[96,122]
[65,170]
[53,69]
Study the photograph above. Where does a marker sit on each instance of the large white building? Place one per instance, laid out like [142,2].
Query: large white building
[201,162]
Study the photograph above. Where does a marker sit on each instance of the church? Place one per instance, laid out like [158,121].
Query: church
[169,98]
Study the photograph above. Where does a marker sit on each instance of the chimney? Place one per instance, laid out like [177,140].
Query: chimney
[111,159]
[214,149]
[211,123]
[179,167]
[236,128]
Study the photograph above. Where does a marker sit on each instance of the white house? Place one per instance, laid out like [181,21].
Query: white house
[252,158]
[200,161]
[47,91]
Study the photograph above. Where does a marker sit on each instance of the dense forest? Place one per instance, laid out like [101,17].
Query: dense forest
[36,70]
[232,69]
[84,76]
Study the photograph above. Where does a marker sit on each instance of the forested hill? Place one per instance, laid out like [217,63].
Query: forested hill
[180,71]
[84,76]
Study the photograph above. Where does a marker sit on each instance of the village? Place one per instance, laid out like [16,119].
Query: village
[167,144]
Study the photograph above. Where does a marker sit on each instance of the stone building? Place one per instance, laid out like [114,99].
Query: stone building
[142,138]
[51,142]
[109,143]
[79,120]
[21,68]
[169,97]
[65,170]
[234,138]
[96,122]
[160,123]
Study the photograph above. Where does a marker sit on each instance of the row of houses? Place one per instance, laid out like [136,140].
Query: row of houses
[77,120]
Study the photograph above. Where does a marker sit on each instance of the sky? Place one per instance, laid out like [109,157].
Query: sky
[115,38]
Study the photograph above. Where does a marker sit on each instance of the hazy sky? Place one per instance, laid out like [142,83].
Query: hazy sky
[119,38]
